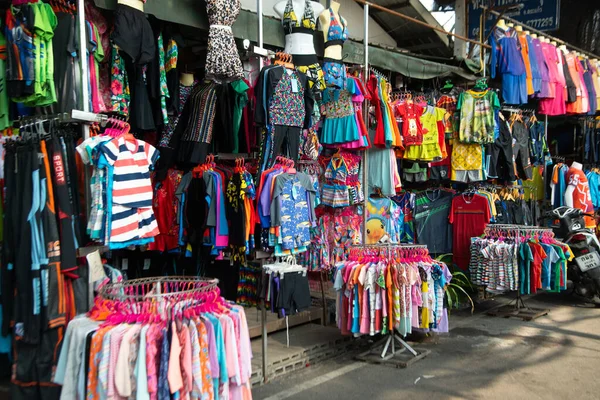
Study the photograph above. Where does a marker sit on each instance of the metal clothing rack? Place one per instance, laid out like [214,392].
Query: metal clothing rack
[389,343]
[518,309]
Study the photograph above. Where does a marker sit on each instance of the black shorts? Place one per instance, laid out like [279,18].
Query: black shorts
[439,172]
[133,34]
[501,155]
[294,293]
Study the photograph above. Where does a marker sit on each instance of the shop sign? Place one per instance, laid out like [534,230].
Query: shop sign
[543,15]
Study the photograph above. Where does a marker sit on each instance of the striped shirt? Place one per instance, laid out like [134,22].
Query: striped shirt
[131,161]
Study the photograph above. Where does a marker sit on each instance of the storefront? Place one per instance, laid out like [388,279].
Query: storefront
[198,163]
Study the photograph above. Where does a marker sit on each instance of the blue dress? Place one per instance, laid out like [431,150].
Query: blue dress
[340,124]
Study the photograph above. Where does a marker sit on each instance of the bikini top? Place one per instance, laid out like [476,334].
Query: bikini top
[337,170]
[337,34]
[290,21]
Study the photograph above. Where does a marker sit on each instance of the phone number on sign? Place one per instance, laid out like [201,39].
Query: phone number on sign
[540,23]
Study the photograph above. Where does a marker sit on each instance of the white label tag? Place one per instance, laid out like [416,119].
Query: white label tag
[95,266]
[124,264]
[294,85]
[146,264]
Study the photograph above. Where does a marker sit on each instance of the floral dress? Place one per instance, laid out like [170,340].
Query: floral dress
[223,60]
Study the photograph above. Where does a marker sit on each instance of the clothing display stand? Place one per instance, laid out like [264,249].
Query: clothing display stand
[385,350]
[517,308]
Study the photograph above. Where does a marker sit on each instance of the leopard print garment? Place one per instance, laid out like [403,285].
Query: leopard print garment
[223,60]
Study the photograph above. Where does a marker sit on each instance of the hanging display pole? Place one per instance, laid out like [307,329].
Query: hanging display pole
[365,162]
[263,311]
[259,15]
[83,63]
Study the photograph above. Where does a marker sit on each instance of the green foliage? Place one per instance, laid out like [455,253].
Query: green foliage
[460,289]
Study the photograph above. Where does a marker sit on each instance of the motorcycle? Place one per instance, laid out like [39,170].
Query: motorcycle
[583,271]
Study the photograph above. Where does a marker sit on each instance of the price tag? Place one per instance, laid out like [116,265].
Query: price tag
[125,264]
[95,265]
[146,264]
[294,85]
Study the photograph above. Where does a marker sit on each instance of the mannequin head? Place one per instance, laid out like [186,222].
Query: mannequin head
[576,165]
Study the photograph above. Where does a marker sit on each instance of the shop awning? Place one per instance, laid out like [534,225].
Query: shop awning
[192,13]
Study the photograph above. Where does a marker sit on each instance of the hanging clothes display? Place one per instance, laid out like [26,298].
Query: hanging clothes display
[341,187]
[43,286]
[284,108]
[342,124]
[478,116]
[285,287]
[335,232]
[386,289]
[121,189]
[188,343]
[385,221]
[469,215]
[432,145]
[286,208]
[431,220]
[30,54]
[387,133]
[507,60]
[516,258]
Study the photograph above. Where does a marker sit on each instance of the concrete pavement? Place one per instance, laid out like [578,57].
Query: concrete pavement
[553,357]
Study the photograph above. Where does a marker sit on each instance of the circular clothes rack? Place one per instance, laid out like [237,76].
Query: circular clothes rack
[157,287]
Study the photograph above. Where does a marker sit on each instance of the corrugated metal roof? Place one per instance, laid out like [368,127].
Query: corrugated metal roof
[410,36]
[245,28]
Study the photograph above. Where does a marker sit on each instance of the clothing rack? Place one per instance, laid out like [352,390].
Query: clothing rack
[518,110]
[390,342]
[518,309]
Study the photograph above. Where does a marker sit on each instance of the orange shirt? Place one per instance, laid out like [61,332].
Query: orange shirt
[525,54]
[581,195]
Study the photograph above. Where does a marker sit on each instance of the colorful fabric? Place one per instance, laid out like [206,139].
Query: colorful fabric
[164,91]
[290,21]
[287,103]
[477,116]
[119,85]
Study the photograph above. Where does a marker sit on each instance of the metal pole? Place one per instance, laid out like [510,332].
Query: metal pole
[416,21]
[263,322]
[259,15]
[366,116]
[83,63]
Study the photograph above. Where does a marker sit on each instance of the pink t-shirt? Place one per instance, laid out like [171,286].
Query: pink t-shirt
[116,338]
[186,361]
[174,373]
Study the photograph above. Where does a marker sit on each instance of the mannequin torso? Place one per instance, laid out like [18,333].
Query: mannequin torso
[137,4]
[334,52]
[298,43]
[577,194]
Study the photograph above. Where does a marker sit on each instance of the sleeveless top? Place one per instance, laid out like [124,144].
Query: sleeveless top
[290,21]
[337,33]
